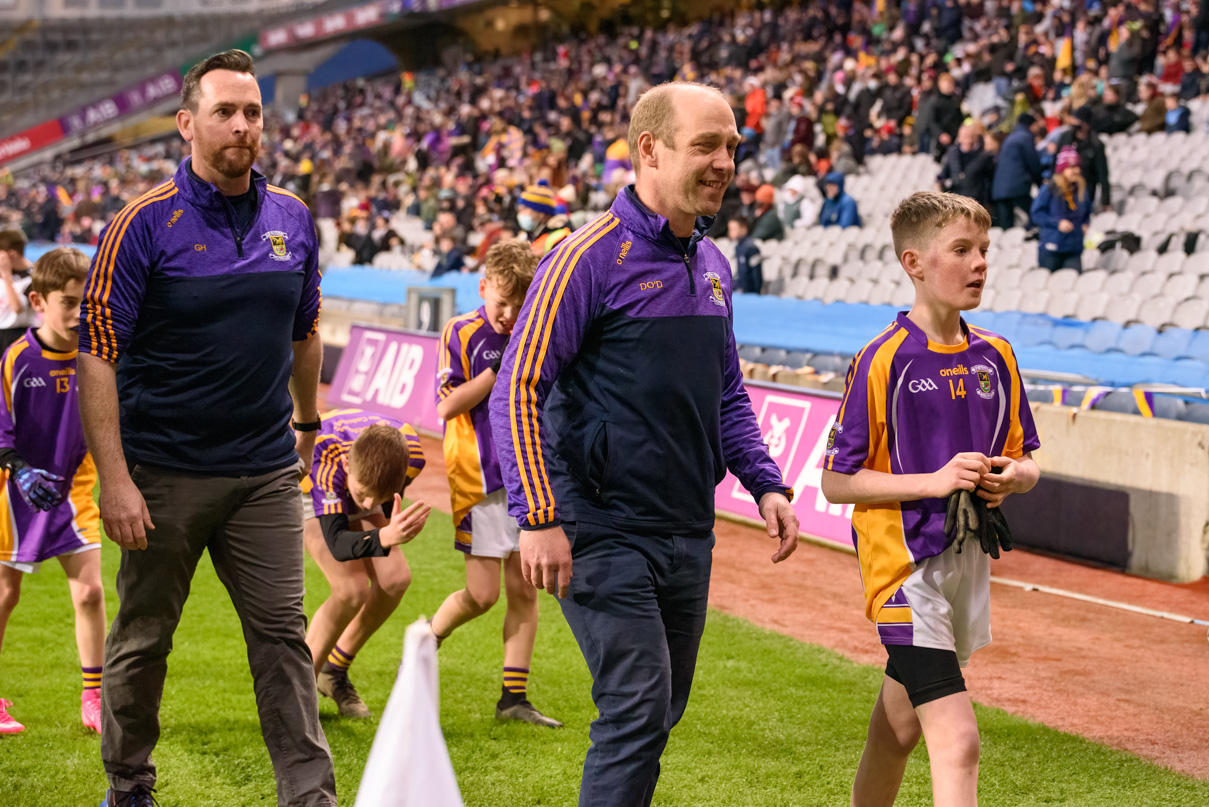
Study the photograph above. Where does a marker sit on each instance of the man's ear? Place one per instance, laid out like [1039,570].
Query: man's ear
[646,150]
[184,124]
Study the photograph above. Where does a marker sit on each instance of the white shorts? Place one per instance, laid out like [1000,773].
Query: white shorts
[34,568]
[493,533]
[945,604]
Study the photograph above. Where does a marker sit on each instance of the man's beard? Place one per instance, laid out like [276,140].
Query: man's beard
[233,160]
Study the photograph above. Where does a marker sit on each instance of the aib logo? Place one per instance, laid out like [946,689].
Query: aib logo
[650,285]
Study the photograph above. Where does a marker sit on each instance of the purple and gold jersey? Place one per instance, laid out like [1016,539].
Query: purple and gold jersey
[909,406]
[328,482]
[469,345]
[41,420]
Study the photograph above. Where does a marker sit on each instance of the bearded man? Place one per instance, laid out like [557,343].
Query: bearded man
[198,340]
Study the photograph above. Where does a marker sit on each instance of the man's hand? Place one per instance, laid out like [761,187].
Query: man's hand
[304,444]
[1004,478]
[963,472]
[124,513]
[781,522]
[546,560]
[404,524]
[1065,226]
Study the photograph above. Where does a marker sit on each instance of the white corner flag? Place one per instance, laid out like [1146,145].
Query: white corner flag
[408,765]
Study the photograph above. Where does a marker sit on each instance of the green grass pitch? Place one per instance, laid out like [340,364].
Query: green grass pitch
[771,721]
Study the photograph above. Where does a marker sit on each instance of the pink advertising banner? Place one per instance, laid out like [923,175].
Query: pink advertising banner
[394,372]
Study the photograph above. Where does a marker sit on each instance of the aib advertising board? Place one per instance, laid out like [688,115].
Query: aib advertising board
[394,372]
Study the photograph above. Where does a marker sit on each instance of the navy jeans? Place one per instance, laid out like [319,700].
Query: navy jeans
[637,608]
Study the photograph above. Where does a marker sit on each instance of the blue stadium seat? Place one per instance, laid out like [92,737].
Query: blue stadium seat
[750,352]
[1172,343]
[1069,333]
[1007,324]
[1198,348]
[1196,413]
[1102,336]
[1034,329]
[1136,340]
[1119,400]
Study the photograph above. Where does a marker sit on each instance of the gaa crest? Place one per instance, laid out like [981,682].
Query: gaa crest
[276,240]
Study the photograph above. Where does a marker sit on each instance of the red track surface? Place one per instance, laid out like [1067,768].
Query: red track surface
[1133,682]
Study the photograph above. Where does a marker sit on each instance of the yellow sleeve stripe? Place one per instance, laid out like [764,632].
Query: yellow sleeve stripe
[284,192]
[879,367]
[104,340]
[853,370]
[9,360]
[445,360]
[524,379]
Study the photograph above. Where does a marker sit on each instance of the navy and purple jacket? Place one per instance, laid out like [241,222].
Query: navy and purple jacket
[619,399]
[200,316]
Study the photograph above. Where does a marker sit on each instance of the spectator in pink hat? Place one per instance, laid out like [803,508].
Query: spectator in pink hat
[1061,213]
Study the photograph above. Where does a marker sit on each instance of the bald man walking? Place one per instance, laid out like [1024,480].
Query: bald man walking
[618,409]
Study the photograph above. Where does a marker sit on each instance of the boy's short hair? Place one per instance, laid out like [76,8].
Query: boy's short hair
[57,268]
[919,217]
[379,459]
[14,240]
[510,265]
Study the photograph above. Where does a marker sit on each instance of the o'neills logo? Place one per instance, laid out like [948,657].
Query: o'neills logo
[958,370]
[17,145]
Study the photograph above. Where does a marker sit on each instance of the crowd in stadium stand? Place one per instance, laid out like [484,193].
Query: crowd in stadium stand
[994,90]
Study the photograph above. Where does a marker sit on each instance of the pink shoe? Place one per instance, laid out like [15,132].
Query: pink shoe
[90,709]
[7,724]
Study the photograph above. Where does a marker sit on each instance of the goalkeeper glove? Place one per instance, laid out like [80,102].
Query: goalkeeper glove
[495,365]
[38,488]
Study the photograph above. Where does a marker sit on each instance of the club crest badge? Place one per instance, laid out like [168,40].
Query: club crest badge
[984,375]
[715,283]
[831,436]
[276,240]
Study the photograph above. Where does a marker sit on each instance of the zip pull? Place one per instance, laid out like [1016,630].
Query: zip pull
[239,246]
[692,286]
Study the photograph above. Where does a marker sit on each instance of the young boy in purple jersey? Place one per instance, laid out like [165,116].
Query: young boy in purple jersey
[471,348]
[46,507]
[933,408]
[363,461]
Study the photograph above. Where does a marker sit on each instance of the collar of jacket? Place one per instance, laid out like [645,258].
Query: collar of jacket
[640,219]
[206,194]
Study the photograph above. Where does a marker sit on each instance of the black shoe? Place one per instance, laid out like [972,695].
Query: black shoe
[139,797]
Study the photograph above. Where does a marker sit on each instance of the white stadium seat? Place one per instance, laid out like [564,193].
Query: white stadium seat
[1092,305]
[1062,280]
[1123,308]
[1191,314]
[1091,281]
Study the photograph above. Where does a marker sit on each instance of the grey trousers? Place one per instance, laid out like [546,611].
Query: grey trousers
[252,527]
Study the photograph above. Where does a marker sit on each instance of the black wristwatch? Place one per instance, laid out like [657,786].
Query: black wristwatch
[313,426]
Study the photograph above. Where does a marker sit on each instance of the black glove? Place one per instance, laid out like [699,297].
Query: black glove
[495,365]
[969,517]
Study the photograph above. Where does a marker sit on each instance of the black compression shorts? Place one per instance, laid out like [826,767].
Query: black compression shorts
[926,673]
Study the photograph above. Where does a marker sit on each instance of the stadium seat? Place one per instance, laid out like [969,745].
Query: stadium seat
[797,359]
[1034,302]
[1195,413]
[1093,305]
[1035,280]
[832,363]
[1157,311]
[1102,336]
[836,290]
[1090,281]
[1172,343]
[1147,285]
[1198,348]
[1119,283]
[883,292]
[1062,280]
[1180,287]
[1196,264]
[1007,299]
[750,352]
[1170,262]
[1136,339]
[1169,407]
[1067,334]
[1062,304]
[1191,314]
[1004,279]
[1033,331]
[774,355]
[1123,309]
[988,300]
[859,292]
[1119,400]
[904,296]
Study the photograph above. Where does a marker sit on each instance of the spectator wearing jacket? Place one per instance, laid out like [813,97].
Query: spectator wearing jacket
[1061,213]
[839,209]
[1018,170]
[749,275]
[968,168]
[1092,157]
